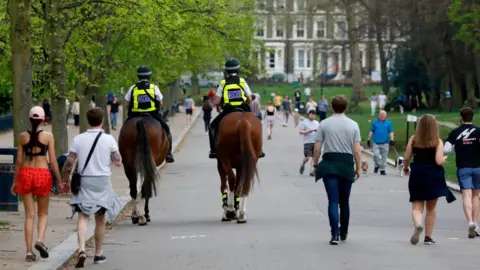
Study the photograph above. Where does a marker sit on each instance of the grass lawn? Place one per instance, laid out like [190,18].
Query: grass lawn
[364,119]
[329,92]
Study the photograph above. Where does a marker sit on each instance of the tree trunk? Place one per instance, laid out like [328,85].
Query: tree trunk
[477,67]
[358,91]
[84,107]
[195,87]
[101,102]
[471,100]
[56,61]
[19,11]
[383,62]
[457,99]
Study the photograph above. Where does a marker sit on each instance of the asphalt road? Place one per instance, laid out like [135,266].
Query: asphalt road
[287,221]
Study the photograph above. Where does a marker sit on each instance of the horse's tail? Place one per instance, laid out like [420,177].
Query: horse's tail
[144,161]
[248,169]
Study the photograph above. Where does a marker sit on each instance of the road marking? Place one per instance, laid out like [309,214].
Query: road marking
[453,238]
[188,236]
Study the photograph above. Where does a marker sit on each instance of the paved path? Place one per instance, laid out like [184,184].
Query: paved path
[12,245]
[287,221]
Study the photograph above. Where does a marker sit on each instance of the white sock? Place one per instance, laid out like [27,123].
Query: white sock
[471,223]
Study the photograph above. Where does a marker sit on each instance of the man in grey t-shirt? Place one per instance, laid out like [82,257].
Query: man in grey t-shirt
[340,138]
[308,128]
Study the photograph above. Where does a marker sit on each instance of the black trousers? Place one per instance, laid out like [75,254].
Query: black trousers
[159,118]
[214,124]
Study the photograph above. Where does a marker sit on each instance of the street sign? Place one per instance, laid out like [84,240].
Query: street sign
[411,118]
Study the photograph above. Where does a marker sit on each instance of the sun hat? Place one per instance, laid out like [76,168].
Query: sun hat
[37,112]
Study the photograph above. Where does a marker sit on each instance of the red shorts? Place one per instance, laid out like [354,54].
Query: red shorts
[37,181]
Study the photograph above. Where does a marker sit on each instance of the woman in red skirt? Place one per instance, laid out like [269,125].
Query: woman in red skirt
[33,179]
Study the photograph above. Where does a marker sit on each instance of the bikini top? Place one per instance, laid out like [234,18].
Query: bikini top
[30,145]
[270,111]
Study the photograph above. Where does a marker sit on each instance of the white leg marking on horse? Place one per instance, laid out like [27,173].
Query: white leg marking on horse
[242,211]
[231,200]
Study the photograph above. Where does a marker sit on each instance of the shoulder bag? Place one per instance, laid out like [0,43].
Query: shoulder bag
[77,177]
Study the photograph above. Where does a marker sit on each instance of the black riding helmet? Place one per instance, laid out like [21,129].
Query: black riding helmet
[232,66]
[144,72]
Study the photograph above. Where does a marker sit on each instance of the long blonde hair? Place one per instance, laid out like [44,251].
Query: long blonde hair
[426,134]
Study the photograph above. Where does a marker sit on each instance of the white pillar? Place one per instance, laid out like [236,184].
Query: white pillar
[330,65]
[340,61]
[377,59]
[348,60]
[364,58]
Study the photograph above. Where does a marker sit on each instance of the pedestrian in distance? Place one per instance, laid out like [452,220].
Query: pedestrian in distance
[465,141]
[33,179]
[382,132]
[308,129]
[340,166]
[207,112]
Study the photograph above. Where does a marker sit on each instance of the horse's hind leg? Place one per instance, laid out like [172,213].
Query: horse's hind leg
[132,179]
[242,212]
[140,203]
[231,211]
[147,210]
[224,190]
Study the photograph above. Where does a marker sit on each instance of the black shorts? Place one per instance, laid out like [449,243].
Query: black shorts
[100,212]
[188,111]
[308,149]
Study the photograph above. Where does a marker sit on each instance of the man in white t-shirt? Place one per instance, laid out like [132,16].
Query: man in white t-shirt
[307,92]
[308,129]
[382,99]
[95,196]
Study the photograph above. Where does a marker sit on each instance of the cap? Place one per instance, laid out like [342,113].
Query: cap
[37,112]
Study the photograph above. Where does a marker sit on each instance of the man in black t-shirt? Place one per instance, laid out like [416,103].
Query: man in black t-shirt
[465,141]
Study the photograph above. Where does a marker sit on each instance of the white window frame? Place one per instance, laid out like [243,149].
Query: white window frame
[297,58]
[315,27]
[307,62]
[279,7]
[269,58]
[338,30]
[276,22]
[304,29]
[257,24]
[295,5]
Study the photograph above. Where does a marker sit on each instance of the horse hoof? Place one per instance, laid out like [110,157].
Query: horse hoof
[239,221]
[142,221]
[231,215]
[135,220]
[226,219]
[148,219]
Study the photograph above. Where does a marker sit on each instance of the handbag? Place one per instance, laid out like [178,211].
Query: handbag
[77,177]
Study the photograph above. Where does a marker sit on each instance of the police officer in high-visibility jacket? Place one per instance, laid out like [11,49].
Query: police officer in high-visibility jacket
[233,92]
[145,98]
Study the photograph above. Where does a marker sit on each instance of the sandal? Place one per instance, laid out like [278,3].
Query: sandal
[42,249]
[31,257]
[81,259]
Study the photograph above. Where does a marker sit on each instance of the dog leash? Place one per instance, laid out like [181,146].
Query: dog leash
[395,150]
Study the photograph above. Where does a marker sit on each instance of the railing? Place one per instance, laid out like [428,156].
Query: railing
[6,122]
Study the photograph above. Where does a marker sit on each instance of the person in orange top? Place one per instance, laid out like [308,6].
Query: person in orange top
[33,178]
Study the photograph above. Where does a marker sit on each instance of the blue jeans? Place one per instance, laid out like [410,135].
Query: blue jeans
[338,192]
[114,118]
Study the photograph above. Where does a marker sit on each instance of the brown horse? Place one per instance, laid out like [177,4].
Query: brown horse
[239,145]
[143,145]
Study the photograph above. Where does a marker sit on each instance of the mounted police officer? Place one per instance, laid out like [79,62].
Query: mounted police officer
[146,98]
[232,93]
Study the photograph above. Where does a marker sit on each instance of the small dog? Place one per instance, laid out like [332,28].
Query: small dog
[364,167]
[399,165]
